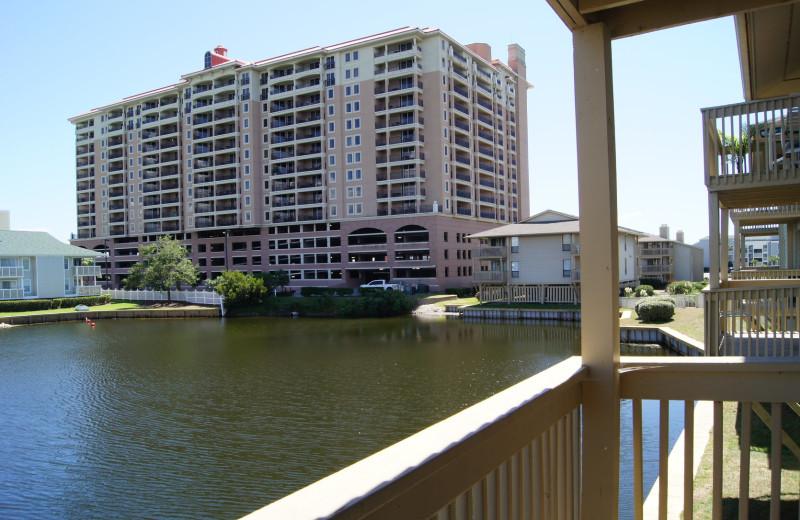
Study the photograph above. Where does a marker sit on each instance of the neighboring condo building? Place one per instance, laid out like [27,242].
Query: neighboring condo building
[669,260]
[538,260]
[373,158]
[34,264]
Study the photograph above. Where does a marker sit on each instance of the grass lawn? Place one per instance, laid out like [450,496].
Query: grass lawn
[115,305]
[759,469]
[688,320]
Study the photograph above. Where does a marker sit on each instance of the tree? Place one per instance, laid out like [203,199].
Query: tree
[164,265]
[275,279]
[239,289]
[773,260]
[735,149]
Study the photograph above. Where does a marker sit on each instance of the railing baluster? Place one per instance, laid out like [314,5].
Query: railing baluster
[688,460]
[744,461]
[776,463]
[638,465]
[562,469]
[716,491]
[663,459]
[537,465]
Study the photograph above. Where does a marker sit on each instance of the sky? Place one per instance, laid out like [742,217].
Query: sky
[81,55]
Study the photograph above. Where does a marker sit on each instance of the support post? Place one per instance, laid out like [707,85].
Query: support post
[723,245]
[713,240]
[597,183]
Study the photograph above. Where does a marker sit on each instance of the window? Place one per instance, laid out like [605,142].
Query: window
[332,194]
[445,236]
[333,211]
[246,138]
[247,200]
[347,57]
[355,55]
[247,154]
[515,244]
[331,144]
[247,217]
[354,208]
[348,107]
[444,114]
[246,107]
[247,169]
[567,268]
[566,242]
[355,72]
[348,91]
[356,106]
[347,74]
[332,176]
[330,93]
[357,122]
[331,160]
[247,185]
[330,110]
[356,90]
[331,126]
[447,186]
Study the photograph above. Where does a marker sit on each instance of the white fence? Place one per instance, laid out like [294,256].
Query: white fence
[681,300]
[198,297]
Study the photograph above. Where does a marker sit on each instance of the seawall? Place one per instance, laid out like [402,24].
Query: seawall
[32,319]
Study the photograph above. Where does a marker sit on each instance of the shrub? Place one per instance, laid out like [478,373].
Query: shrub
[344,291]
[238,289]
[655,283]
[667,299]
[699,286]
[55,303]
[377,304]
[461,292]
[643,290]
[655,311]
[683,287]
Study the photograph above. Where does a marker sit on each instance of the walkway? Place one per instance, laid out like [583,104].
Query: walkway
[703,422]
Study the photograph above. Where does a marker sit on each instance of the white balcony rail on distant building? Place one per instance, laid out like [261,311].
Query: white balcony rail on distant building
[87,270]
[11,294]
[11,272]
[89,290]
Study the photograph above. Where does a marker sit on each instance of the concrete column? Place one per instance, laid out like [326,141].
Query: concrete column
[737,246]
[597,184]
[713,240]
[723,244]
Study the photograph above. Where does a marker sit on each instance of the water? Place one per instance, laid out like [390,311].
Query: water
[216,418]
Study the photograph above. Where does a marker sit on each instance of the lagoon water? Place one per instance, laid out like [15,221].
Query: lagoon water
[216,418]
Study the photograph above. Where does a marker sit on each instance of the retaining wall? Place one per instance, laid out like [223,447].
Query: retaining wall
[31,319]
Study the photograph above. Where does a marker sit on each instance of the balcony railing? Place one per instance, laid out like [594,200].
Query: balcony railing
[745,319]
[765,274]
[751,143]
[87,270]
[488,252]
[519,453]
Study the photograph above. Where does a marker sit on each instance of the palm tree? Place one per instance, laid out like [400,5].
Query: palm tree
[735,148]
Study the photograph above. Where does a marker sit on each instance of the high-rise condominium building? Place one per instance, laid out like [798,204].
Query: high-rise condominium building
[372,158]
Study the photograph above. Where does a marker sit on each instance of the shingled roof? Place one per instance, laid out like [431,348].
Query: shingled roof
[38,243]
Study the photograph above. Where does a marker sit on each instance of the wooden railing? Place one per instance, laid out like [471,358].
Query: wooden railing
[747,382]
[514,455]
[753,321]
[518,453]
[750,143]
[768,273]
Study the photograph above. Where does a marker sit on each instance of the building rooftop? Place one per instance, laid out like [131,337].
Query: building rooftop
[38,243]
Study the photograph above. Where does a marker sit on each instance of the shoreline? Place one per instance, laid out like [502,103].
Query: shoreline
[190,311]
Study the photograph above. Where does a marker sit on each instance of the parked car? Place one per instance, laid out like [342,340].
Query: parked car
[382,284]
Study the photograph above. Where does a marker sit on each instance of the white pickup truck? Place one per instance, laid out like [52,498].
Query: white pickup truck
[382,284]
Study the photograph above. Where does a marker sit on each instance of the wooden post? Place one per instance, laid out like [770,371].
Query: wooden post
[597,183]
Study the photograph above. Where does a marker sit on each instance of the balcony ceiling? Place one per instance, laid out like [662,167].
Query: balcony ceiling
[768,32]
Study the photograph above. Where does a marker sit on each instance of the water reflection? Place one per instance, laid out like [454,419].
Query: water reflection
[215,418]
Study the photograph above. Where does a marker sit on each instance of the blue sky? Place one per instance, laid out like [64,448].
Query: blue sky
[65,58]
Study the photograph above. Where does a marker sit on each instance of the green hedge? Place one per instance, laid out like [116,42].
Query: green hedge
[655,283]
[648,289]
[377,303]
[461,292]
[55,303]
[667,299]
[655,311]
[320,291]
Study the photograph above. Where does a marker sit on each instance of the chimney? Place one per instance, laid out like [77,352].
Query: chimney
[516,59]
[481,49]
[5,220]
[222,51]
[679,236]
[663,231]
